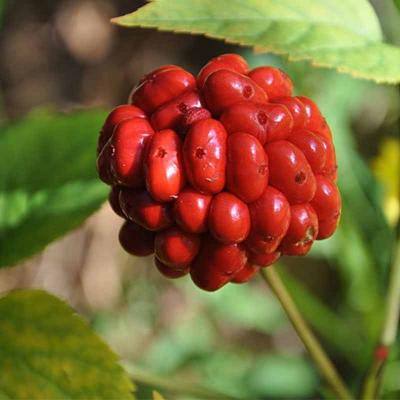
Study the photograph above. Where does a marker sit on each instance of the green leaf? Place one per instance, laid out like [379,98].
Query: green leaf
[397,4]
[344,35]
[48,181]
[48,352]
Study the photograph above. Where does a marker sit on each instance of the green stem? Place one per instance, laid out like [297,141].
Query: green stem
[389,331]
[323,363]
[173,386]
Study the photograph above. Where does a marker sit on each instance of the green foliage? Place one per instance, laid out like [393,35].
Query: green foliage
[48,352]
[48,181]
[397,4]
[344,35]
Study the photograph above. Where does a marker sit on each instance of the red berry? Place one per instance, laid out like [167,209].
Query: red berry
[290,172]
[116,116]
[204,153]
[263,260]
[245,274]
[161,86]
[128,144]
[296,108]
[170,114]
[274,81]
[270,218]
[163,166]
[247,167]
[113,200]
[216,264]
[169,272]
[191,210]
[315,121]
[327,204]
[176,248]
[192,115]
[224,88]
[330,168]
[103,164]
[141,208]
[232,62]
[302,232]
[229,218]
[267,122]
[136,240]
[313,147]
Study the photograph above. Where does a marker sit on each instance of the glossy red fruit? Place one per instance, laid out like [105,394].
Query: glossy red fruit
[119,114]
[247,167]
[270,218]
[191,210]
[103,164]
[161,86]
[313,147]
[274,81]
[296,108]
[176,248]
[141,208]
[302,232]
[204,154]
[228,218]
[315,121]
[216,264]
[193,115]
[330,168]
[327,204]
[267,122]
[224,88]
[290,172]
[263,260]
[163,166]
[170,114]
[136,240]
[113,200]
[169,272]
[245,274]
[128,143]
[232,62]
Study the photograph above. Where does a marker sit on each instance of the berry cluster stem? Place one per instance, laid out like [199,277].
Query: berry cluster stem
[322,361]
[389,330]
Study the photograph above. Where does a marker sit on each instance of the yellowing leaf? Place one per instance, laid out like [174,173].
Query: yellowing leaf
[157,396]
[339,34]
[48,352]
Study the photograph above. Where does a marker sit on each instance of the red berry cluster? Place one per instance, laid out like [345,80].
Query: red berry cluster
[221,174]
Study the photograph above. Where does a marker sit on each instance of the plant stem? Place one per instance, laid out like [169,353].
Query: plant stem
[323,363]
[389,330]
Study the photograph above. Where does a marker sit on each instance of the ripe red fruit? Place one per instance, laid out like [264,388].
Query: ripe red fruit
[232,62]
[270,218]
[113,200]
[246,273]
[103,164]
[263,260]
[119,114]
[267,122]
[296,108]
[290,172]
[170,273]
[191,210]
[127,151]
[204,154]
[327,204]
[192,115]
[225,88]
[274,81]
[163,166]
[136,240]
[216,264]
[315,121]
[170,114]
[160,86]
[176,248]
[228,218]
[141,208]
[247,167]
[302,232]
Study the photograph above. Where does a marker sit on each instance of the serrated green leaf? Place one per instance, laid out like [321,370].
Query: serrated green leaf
[344,35]
[48,352]
[48,181]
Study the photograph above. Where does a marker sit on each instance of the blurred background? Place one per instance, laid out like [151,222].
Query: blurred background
[64,55]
